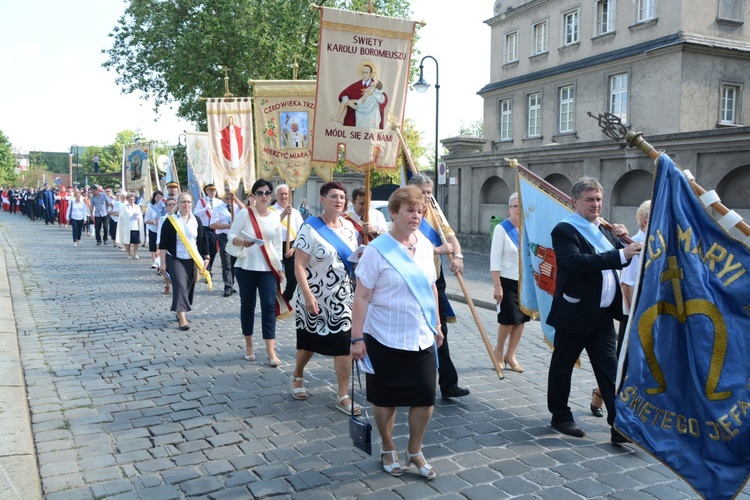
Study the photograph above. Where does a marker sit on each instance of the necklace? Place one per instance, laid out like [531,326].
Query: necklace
[411,246]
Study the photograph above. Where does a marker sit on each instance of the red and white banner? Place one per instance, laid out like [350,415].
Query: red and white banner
[230,137]
[363,75]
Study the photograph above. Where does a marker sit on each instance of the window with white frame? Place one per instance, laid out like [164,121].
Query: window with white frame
[570,27]
[534,115]
[646,10]
[730,10]
[729,98]
[567,109]
[605,16]
[618,96]
[511,47]
[506,116]
[540,37]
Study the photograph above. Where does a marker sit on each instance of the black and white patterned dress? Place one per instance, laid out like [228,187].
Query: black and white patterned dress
[327,333]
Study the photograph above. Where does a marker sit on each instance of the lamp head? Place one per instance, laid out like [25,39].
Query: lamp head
[421,85]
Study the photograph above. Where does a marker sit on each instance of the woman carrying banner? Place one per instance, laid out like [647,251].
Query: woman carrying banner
[130,226]
[183,249]
[504,270]
[255,239]
[324,293]
[396,325]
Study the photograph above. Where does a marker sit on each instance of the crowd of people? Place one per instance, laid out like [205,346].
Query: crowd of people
[382,304]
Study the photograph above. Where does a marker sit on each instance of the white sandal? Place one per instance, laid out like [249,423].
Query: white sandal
[426,471]
[394,469]
[340,406]
[298,393]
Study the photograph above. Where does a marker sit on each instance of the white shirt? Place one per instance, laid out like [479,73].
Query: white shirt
[252,258]
[191,234]
[394,317]
[630,273]
[503,254]
[78,210]
[206,206]
[297,221]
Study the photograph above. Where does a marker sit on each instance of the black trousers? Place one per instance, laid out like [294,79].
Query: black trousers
[102,226]
[447,375]
[227,263]
[291,279]
[212,241]
[600,346]
[112,229]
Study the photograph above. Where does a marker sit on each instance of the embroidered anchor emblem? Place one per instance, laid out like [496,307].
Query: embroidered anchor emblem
[681,310]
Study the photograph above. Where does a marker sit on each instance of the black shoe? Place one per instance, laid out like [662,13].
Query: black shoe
[618,438]
[227,294]
[105,243]
[98,243]
[455,392]
[569,428]
[234,291]
[596,410]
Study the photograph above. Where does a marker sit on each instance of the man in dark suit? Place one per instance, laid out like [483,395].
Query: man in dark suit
[587,299]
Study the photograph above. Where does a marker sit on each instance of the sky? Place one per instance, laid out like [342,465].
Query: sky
[55,92]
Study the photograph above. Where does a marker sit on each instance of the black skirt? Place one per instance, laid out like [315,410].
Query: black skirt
[402,378]
[152,241]
[135,237]
[328,345]
[510,312]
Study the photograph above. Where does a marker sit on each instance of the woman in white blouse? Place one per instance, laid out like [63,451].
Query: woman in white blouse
[76,213]
[130,226]
[258,269]
[396,324]
[504,270]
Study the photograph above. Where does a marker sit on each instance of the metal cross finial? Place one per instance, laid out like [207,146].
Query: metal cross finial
[227,93]
[611,125]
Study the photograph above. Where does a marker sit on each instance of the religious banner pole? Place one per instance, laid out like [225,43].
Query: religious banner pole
[613,128]
[459,276]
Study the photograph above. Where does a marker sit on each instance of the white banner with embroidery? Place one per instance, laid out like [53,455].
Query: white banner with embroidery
[230,138]
[375,51]
[283,115]
[135,168]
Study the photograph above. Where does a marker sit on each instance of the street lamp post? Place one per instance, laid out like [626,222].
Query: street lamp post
[77,181]
[421,86]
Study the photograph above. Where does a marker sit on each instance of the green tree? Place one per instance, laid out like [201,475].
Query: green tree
[475,128]
[175,52]
[7,161]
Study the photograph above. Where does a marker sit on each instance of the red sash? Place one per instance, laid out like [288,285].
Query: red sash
[283,309]
[359,228]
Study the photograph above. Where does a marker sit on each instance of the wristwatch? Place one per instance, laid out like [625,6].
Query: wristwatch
[458,256]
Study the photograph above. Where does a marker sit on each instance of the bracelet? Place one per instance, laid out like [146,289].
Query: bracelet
[458,256]
[358,339]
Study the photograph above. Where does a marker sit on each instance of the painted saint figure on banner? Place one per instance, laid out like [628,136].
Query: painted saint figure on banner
[294,131]
[136,166]
[232,142]
[363,102]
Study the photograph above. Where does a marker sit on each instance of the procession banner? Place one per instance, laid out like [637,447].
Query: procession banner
[135,168]
[230,138]
[283,115]
[541,211]
[171,173]
[373,52]
[685,395]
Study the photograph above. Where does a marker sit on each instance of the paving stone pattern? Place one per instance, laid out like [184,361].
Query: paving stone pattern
[125,405]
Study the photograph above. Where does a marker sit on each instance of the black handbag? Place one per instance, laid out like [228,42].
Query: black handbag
[360,429]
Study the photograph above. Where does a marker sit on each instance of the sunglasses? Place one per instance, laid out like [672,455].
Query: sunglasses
[263,193]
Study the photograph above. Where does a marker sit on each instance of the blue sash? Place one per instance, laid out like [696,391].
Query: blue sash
[511,231]
[430,233]
[334,239]
[589,231]
[414,278]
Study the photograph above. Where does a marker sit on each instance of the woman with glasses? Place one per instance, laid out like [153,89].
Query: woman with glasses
[130,226]
[504,270]
[324,295]
[171,205]
[155,210]
[183,250]
[255,238]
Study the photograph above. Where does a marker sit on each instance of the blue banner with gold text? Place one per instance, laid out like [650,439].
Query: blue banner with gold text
[684,397]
